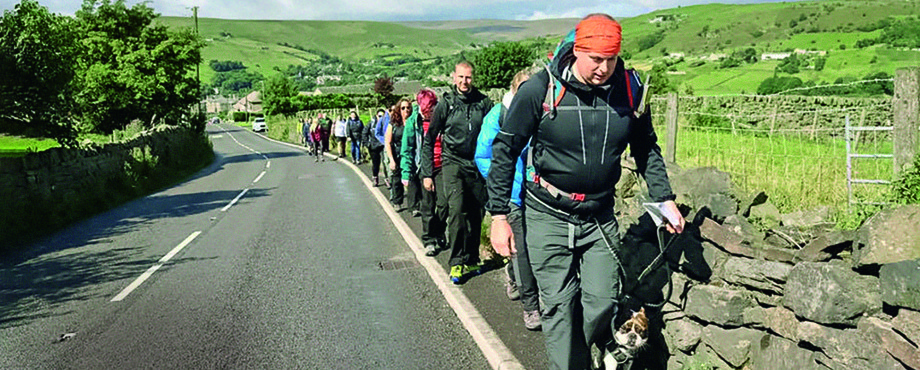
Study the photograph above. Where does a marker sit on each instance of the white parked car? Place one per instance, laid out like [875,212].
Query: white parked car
[259,125]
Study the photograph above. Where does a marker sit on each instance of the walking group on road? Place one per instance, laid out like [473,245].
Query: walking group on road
[544,163]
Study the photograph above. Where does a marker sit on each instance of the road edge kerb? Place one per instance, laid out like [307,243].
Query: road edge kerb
[492,347]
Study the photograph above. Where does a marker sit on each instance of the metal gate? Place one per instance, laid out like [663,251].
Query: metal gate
[851,155]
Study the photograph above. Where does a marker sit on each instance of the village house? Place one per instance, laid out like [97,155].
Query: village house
[250,103]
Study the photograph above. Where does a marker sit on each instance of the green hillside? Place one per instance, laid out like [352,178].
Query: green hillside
[700,33]
[259,44]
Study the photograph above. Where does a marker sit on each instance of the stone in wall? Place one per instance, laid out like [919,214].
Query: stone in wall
[694,186]
[741,226]
[890,236]
[881,334]
[773,353]
[847,349]
[766,214]
[721,306]
[900,284]
[732,345]
[682,335]
[907,322]
[831,293]
[767,276]
[750,200]
[826,246]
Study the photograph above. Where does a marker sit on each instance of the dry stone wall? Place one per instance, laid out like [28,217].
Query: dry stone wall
[783,112]
[50,188]
[796,294]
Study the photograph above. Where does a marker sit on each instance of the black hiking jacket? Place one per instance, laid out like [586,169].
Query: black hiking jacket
[458,119]
[577,151]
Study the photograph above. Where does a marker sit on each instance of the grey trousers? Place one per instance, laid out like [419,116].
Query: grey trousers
[579,283]
[520,269]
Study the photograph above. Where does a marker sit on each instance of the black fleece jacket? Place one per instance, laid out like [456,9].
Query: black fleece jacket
[578,150]
[458,119]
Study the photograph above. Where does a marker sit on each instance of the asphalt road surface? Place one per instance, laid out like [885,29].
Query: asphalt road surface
[263,260]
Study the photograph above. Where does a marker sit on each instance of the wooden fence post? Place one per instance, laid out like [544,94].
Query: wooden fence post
[671,122]
[906,109]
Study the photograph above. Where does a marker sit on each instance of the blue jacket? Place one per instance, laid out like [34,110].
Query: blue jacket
[483,156]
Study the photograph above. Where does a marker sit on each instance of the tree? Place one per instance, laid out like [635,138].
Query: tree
[37,54]
[659,83]
[133,68]
[497,64]
[277,94]
[775,85]
[789,65]
[383,86]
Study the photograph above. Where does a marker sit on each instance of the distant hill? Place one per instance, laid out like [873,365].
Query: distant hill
[689,39]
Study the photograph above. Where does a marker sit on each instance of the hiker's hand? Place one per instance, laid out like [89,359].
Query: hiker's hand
[672,207]
[501,236]
[405,183]
[392,166]
[428,183]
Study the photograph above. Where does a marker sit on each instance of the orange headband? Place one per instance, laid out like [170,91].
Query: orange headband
[598,34]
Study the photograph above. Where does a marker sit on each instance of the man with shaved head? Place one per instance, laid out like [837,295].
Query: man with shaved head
[458,118]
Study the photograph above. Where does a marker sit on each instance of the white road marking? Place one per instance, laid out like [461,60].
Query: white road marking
[180,246]
[259,177]
[146,275]
[232,202]
[268,164]
[137,282]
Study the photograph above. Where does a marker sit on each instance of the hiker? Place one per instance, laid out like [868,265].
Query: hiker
[306,136]
[458,116]
[579,131]
[410,183]
[519,280]
[393,145]
[432,208]
[320,136]
[355,130]
[340,130]
[374,143]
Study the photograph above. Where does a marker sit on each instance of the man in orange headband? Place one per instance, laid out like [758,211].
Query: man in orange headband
[579,131]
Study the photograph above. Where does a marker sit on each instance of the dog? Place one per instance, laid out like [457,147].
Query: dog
[629,339]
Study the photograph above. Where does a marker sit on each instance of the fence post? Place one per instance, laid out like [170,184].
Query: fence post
[671,122]
[906,109]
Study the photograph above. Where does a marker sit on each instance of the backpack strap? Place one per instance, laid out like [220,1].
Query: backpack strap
[637,91]
[554,92]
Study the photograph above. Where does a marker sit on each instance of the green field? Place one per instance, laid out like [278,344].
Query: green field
[17,146]
[796,169]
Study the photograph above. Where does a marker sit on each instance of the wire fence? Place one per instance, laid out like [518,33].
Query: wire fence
[793,148]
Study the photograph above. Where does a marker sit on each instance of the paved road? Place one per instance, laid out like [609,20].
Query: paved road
[303,270]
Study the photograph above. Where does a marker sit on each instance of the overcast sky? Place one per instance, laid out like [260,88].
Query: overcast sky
[394,10]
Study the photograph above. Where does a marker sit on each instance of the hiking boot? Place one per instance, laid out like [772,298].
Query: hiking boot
[532,320]
[460,273]
[416,213]
[511,288]
[376,182]
[456,273]
[431,250]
